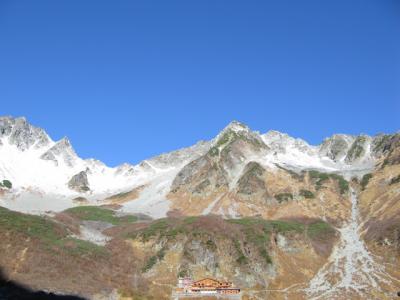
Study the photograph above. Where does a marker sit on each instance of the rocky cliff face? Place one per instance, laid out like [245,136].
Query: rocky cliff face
[336,147]
[21,134]
[61,152]
[79,182]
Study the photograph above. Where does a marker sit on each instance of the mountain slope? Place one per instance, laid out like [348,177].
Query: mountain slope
[144,258]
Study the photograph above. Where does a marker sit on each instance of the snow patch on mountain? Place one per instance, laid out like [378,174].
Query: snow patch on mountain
[152,200]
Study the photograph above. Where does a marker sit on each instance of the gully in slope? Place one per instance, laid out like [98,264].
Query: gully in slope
[351,271]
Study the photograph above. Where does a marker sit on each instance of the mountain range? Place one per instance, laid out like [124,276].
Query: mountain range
[297,220]
[37,165]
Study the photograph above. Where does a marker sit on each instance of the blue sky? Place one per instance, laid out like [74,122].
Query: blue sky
[126,80]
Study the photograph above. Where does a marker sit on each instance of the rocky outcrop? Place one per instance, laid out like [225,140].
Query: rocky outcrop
[199,175]
[387,147]
[336,147]
[358,149]
[384,143]
[236,140]
[62,151]
[79,182]
[21,134]
[252,181]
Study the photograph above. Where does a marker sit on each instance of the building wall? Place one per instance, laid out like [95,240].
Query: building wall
[208,282]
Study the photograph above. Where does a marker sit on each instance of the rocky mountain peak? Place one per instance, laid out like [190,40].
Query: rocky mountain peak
[336,146]
[61,151]
[236,126]
[223,161]
[251,180]
[358,148]
[64,143]
[21,134]
[236,132]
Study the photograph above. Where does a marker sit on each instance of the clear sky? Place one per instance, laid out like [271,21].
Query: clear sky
[126,80]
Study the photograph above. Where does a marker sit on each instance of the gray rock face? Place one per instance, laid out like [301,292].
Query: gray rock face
[251,181]
[21,134]
[63,151]
[6,124]
[202,255]
[79,182]
[384,143]
[336,147]
[387,146]
[357,149]
[200,174]
[234,144]
[48,155]
[352,149]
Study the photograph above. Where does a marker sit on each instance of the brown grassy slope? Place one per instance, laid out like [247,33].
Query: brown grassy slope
[145,258]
